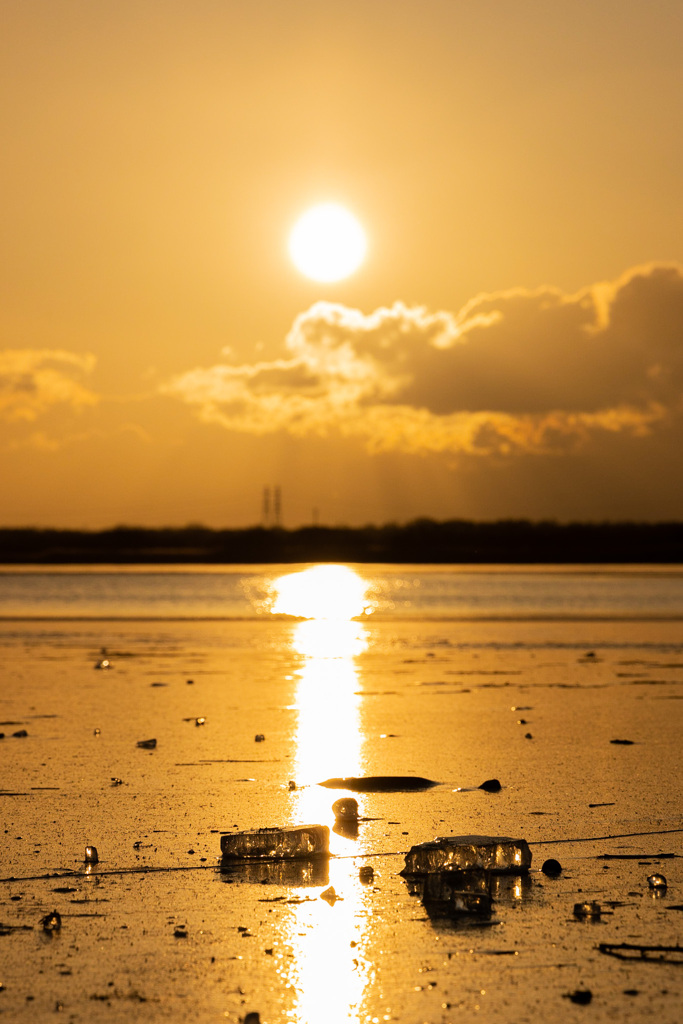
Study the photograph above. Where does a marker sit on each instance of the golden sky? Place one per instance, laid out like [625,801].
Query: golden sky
[512,345]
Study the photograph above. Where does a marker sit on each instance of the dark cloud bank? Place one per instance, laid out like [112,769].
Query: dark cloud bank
[513,373]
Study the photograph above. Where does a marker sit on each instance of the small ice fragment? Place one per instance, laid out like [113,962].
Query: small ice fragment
[277,843]
[491,786]
[259,737]
[590,909]
[147,744]
[552,868]
[91,856]
[330,896]
[346,809]
[103,664]
[115,781]
[51,922]
[96,732]
[657,882]
[489,853]
[366,874]
[200,721]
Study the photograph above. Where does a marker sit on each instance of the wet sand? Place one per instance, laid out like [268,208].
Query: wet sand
[155,932]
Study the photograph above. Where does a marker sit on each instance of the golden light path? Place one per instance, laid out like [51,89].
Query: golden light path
[328,974]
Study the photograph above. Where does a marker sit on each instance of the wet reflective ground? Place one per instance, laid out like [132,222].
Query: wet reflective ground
[155,931]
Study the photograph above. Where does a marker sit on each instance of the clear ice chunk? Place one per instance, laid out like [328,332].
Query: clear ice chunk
[487,853]
[289,842]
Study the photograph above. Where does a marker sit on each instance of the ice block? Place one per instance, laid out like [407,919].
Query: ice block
[289,842]
[487,853]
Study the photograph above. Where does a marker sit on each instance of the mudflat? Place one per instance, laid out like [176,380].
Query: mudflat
[579,721]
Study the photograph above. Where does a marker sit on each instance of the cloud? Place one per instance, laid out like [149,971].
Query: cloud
[514,372]
[32,381]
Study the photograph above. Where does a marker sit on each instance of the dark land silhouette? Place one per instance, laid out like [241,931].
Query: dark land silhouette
[423,541]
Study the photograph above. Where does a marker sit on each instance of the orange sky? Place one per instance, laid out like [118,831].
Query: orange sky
[512,346]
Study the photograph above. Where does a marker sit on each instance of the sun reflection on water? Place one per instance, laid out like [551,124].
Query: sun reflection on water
[327,972]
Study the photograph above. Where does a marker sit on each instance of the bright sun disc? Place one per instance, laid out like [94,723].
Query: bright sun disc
[327,243]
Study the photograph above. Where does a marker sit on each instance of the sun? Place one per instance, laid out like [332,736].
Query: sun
[327,243]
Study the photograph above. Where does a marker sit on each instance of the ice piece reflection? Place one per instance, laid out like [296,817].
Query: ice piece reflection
[329,741]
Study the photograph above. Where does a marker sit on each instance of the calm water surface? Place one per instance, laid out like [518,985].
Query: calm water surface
[401,592]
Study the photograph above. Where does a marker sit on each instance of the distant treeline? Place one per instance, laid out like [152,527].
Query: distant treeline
[422,541]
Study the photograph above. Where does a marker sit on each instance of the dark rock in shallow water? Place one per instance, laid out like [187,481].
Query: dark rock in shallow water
[346,809]
[491,786]
[552,868]
[582,996]
[380,783]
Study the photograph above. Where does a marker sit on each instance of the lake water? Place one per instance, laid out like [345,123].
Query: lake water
[390,592]
[260,682]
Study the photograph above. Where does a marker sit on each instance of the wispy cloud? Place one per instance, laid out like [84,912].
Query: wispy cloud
[513,372]
[33,381]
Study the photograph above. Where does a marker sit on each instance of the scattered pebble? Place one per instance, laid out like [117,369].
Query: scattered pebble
[366,874]
[147,744]
[582,996]
[259,737]
[623,743]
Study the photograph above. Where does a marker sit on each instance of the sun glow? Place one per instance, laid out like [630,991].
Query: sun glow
[327,243]
[323,592]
